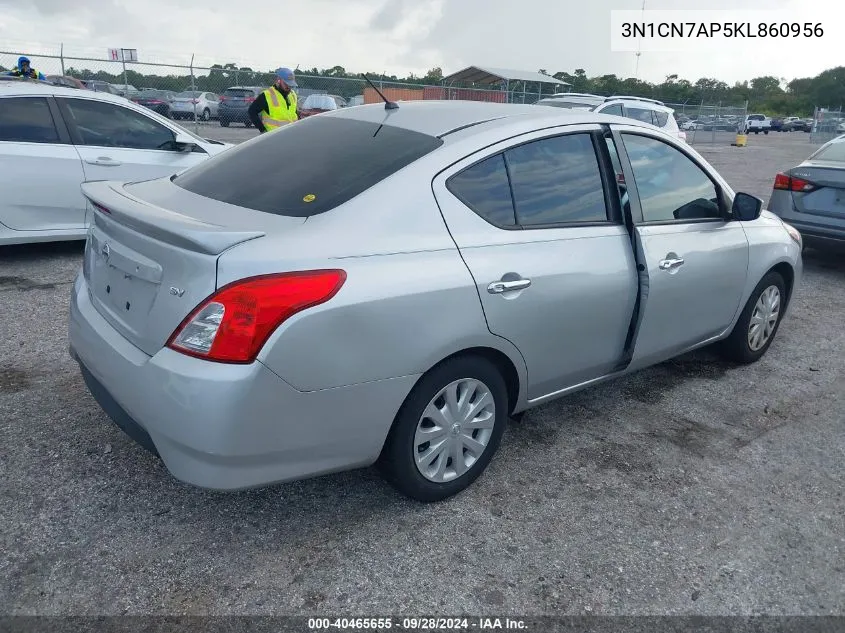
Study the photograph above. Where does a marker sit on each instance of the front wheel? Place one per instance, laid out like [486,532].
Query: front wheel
[759,321]
[206,114]
[447,430]
[765,131]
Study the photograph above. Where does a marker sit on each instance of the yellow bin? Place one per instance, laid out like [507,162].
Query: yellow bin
[741,139]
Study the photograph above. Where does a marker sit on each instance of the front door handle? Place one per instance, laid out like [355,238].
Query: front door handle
[671,262]
[498,287]
[104,161]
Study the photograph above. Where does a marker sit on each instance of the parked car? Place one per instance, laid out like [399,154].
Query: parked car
[811,195]
[356,100]
[226,321]
[315,104]
[125,90]
[234,104]
[160,101]
[646,110]
[64,137]
[187,104]
[66,81]
[757,123]
[803,125]
[100,86]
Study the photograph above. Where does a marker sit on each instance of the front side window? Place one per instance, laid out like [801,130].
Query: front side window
[670,185]
[108,125]
[557,180]
[27,120]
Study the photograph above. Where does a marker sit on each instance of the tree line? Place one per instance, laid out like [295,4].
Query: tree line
[768,94]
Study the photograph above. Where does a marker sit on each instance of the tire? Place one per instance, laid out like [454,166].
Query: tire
[737,347]
[224,123]
[206,115]
[398,461]
[765,131]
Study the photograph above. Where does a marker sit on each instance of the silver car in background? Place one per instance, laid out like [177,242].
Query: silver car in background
[416,276]
[186,104]
[811,196]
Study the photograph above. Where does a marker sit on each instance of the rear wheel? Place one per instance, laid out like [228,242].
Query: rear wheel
[224,123]
[206,114]
[447,430]
[759,322]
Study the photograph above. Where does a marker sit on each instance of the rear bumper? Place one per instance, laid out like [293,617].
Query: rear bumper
[228,427]
[233,114]
[808,225]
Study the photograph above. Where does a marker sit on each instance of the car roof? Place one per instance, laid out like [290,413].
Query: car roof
[439,118]
[46,89]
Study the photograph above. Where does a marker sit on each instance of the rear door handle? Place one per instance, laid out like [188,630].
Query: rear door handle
[498,287]
[104,161]
[670,263]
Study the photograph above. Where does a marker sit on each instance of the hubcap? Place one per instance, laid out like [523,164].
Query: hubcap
[454,430]
[764,318]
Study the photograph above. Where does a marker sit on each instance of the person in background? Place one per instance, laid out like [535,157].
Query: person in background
[276,106]
[25,69]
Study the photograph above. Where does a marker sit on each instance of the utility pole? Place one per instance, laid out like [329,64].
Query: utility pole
[639,48]
[125,80]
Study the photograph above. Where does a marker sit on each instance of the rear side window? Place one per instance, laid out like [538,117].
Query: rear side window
[660,118]
[27,120]
[640,114]
[557,180]
[485,189]
[615,110]
[309,167]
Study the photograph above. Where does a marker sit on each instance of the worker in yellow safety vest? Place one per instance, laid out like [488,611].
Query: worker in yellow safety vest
[276,106]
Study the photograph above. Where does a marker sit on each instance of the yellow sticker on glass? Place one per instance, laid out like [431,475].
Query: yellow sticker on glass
[309,198]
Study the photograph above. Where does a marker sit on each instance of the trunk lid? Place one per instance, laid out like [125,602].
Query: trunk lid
[828,199]
[147,265]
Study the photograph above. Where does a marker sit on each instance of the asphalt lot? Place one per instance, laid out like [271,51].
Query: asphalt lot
[694,487]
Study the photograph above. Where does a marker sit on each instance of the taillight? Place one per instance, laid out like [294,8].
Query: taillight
[789,183]
[101,208]
[249,99]
[233,324]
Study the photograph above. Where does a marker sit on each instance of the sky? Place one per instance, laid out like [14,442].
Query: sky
[407,36]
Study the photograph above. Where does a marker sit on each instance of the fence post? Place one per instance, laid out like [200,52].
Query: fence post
[62,57]
[193,89]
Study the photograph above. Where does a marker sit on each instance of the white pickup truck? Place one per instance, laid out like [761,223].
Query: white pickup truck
[758,123]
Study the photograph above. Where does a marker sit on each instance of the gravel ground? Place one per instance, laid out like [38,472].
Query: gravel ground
[693,487]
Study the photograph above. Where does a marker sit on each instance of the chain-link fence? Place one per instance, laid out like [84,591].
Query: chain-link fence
[828,123]
[709,123]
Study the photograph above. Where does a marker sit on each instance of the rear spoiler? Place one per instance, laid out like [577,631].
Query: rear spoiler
[111,199]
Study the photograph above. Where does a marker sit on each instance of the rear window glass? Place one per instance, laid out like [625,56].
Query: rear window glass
[240,93]
[189,94]
[308,167]
[834,152]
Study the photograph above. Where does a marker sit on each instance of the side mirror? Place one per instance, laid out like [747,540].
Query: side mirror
[746,207]
[184,143]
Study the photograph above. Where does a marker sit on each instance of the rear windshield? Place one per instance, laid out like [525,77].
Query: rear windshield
[240,92]
[833,152]
[308,167]
[189,94]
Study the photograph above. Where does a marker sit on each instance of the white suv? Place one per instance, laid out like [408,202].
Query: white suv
[639,108]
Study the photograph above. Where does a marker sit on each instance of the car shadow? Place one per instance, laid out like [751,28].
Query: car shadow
[23,252]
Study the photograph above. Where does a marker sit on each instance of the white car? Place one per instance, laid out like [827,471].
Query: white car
[204,104]
[647,110]
[53,139]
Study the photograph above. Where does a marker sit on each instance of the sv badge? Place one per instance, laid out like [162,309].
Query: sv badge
[176,292]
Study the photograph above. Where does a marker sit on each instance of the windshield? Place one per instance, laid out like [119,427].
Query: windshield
[336,160]
[834,152]
[319,102]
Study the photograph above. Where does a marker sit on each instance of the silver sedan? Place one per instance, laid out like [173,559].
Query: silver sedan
[414,278]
